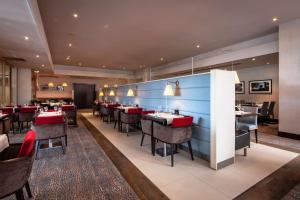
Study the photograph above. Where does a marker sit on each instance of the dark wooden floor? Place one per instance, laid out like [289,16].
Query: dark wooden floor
[142,186]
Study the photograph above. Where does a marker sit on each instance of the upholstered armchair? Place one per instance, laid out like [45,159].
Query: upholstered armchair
[71,113]
[132,117]
[26,114]
[249,121]
[15,167]
[179,132]
[146,125]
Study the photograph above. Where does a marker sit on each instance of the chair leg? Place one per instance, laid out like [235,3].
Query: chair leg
[245,151]
[256,135]
[63,144]
[172,155]
[28,189]
[19,194]
[191,150]
[66,139]
[115,124]
[153,146]
[37,147]
[143,135]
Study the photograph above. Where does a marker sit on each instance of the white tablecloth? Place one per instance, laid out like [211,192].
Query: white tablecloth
[3,142]
[126,108]
[50,114]
[168,116]
[242,113]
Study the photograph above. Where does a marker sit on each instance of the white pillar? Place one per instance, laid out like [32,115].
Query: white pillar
[24,86]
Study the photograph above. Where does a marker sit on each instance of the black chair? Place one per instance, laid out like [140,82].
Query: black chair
[271,109]
[263,116]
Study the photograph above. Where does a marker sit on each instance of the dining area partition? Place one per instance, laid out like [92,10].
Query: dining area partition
[201,97]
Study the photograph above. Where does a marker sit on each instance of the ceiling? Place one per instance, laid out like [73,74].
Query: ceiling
[133,34]
[17,21]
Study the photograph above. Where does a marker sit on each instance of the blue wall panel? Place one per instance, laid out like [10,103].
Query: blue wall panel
[192,98]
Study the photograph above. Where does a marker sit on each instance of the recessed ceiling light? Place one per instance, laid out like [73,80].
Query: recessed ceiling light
[198,46]
[36,71]
[37,56]
[43,65]
[268,63]
[253,59]
[80,64]
[75,15]
[70,44]
[68,58]
[275,19]
[161,59]
[124,68]
[106,26]
[103,66]
[26,38]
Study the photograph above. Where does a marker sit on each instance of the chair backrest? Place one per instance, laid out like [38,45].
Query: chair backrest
[182,122]
[250,119]
[271,108]
[264,109]
[146,126]
[28,144]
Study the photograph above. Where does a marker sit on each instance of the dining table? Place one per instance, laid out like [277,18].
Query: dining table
[165,119]
[240,113]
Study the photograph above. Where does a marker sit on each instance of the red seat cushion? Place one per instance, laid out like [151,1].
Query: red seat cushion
[135,110]
[67,107]
[49,120]
[182,122]
[29,109]
[28,144]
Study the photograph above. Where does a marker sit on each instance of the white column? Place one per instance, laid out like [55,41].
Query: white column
[289,77]
[222,118]
[24,85]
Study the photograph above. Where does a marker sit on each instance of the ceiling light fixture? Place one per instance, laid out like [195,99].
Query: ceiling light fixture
[43,65]
[161,59]
[253,59]
[124,68]
[26,37]
[275,19]
[103,66]
[50,84]
[37,56]
[70,44]
[80,64]
[268,63]
[64,84]
[36,71]
[68,58]
[198,46]
[75,15]
[105,85]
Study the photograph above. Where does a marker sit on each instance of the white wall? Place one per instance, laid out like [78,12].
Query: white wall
[24,85]
[289,77]
[260,73]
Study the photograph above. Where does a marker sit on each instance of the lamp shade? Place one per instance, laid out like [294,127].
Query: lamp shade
[101,94]
[50,84]
[169,90]
[64,84]
[236,78]
[112,93]
[130,93]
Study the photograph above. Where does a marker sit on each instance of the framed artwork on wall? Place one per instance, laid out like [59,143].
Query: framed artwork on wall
[240,87]
[260,87]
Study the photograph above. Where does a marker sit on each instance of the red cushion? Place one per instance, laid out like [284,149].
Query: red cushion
[67,107]
[135,110]
[28,144]
[7,110]
[49,120]
[29,109]
[112,105]
[182,122]
[148,112]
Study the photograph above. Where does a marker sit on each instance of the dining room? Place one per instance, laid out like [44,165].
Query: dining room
[149,100]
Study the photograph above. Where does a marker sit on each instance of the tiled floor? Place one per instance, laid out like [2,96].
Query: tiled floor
[194,179]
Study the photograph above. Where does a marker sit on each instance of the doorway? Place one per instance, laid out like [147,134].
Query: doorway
[84,95]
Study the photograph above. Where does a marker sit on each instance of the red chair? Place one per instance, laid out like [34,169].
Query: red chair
[179,132]
[15,167]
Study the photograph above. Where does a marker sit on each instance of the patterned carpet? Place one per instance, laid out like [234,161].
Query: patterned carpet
[84,172]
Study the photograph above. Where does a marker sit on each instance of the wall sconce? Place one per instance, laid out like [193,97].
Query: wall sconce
[64,84]
[112,93]
[101,94]
[169,89]
[50,84]
[130,93]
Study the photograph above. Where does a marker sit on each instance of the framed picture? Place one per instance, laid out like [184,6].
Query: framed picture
[240,87]
[260,87]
